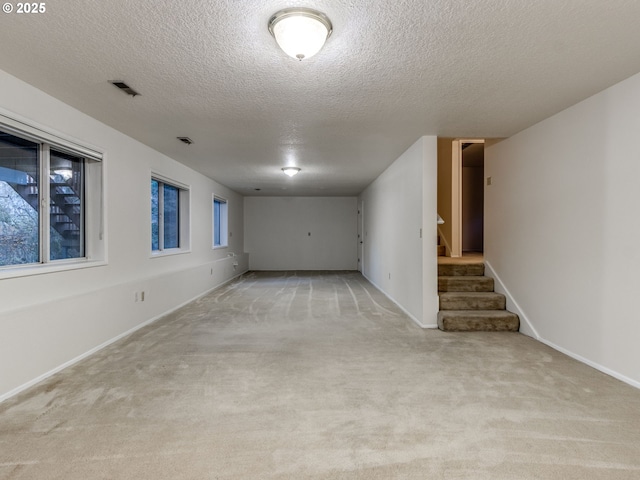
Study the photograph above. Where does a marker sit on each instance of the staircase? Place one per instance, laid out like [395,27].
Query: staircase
[468,302]
[65,206]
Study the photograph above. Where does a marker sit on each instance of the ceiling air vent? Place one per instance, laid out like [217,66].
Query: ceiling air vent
[124,87]
[185,140]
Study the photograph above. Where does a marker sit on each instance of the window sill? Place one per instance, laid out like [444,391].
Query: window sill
[218,247]
[42,269]
[169,252]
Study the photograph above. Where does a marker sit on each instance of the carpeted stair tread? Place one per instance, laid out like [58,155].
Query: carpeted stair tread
[468,302]
[478,321]
[460,269]
[472,301]
[464,283]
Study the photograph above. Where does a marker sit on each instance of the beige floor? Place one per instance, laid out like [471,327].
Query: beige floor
[319,376]
[467,257]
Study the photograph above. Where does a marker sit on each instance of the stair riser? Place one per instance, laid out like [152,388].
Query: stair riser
[497,302]
[469,323]
[465,284]
[451,270]
[468,302]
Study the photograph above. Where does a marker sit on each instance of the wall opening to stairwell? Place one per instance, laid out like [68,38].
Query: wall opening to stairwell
[461,195]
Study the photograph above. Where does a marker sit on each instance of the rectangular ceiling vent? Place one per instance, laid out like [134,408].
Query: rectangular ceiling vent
[124,87]
[185,140]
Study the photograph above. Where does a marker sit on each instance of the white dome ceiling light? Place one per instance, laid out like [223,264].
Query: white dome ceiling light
[300,32]
[291,171]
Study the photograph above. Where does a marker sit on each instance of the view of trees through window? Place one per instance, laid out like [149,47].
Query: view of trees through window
[219,222]
[171,227]
[155,215]
[19,201]
[216,222]
[18,228]
[165,216]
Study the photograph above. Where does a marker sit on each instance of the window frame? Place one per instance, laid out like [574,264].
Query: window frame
[223,227]
[184,220]
[93,223]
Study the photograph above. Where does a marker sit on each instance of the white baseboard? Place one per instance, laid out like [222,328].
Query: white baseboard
[597,366]
[404,310]
[75,360]
[532,332]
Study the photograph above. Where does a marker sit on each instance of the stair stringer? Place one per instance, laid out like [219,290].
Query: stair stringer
[526,327]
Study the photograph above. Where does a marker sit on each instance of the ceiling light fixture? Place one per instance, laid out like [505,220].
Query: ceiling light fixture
[300,32]
[291,171]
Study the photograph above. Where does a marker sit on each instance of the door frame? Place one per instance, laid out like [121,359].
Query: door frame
[456,193]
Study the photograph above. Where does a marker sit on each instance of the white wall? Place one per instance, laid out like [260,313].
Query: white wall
[49,320]
[277,233]
[397,205]
[562,229]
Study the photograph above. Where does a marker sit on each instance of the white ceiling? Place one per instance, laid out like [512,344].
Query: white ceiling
[391,72]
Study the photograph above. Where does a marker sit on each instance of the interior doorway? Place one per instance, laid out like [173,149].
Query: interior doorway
[472,197]
[467,197]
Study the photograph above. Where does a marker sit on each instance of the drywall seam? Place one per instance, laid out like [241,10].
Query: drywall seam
[80,357]
[512,305]
[406,312]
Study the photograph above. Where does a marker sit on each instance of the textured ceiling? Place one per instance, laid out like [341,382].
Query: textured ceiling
[391,72]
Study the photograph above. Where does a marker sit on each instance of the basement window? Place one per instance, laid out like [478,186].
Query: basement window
[169,216]
[220,222]
[51,214]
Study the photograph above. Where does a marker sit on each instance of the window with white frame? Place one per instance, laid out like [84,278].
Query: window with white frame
[169,216]
[220,222]
[50,201]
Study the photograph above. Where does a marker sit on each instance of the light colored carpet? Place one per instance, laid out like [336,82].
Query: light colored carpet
[319,376]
